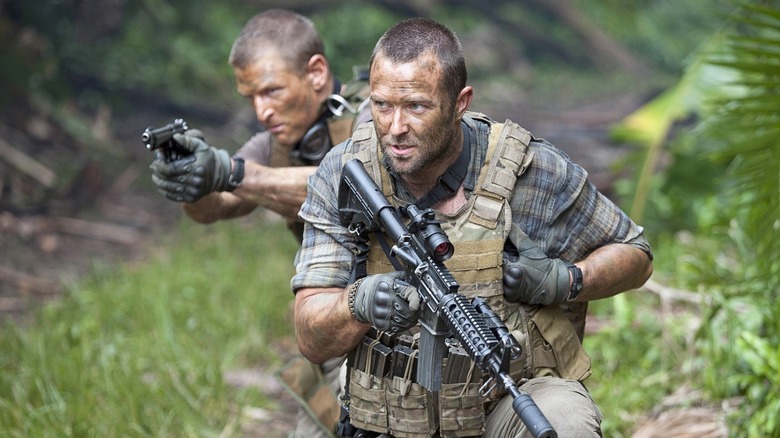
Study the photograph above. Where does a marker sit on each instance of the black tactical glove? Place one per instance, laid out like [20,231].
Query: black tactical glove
[194,176]
[386,302]
[533,278]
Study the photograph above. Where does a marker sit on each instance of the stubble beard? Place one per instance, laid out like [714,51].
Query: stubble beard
[433,145]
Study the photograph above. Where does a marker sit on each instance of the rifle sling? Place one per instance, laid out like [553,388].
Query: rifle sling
[380,237]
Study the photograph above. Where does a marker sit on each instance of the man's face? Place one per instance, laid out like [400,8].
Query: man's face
[415,123]
[284,101]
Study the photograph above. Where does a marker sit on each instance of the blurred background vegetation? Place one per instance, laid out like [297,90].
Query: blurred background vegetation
[685,92]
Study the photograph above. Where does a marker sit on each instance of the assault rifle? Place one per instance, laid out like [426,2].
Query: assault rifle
[420,249]
[162,138]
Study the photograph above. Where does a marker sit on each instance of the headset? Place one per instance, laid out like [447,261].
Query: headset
[316,142]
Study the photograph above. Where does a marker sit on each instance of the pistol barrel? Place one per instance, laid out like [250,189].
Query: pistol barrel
[155,138]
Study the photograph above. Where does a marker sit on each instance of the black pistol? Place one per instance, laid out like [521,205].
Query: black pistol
[162,138]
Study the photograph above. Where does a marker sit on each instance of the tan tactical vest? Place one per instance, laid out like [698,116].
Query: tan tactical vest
[390,401]
[347,112]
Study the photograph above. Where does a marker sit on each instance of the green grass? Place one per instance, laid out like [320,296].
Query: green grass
[646,350]
[635,360]
[140,350]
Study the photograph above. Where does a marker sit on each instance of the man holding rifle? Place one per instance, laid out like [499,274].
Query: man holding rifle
[532,237]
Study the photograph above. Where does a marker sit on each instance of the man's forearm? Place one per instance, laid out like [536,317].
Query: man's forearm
[613,269]
[280,189]
[324,325]
[217,206]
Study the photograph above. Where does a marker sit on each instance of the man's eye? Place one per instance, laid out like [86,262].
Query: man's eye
[417,107]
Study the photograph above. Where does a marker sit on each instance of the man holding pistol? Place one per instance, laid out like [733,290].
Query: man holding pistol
[532,236]
[280,67]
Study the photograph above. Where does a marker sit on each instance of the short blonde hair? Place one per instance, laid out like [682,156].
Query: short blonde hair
[291,35]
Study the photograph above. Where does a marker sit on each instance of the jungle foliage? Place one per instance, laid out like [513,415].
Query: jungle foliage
[708,196]
[718,203]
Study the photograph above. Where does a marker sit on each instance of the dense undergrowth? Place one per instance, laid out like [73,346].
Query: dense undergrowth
[141,350]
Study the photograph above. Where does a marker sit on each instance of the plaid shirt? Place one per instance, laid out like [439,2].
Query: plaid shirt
[553,203]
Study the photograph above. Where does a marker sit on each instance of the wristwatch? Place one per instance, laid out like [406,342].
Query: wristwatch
[576,282]
[236,174]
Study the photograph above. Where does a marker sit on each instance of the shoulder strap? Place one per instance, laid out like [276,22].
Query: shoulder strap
[507,158]
[344,107]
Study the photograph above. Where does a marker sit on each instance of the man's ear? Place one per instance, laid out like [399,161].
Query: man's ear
[464,100]
[318,71]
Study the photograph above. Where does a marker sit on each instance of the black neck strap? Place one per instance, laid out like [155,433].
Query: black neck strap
[450,182]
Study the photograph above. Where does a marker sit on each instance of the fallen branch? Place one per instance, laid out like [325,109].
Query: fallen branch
[26,283]
[123,182]
[95,230]
[672,294]
[29,226]
[27,164]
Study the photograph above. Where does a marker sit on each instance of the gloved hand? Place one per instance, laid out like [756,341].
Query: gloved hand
[192,177]
[387,302]
[533,278]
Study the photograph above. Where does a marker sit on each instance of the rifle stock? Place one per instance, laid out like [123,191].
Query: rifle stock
[421,248]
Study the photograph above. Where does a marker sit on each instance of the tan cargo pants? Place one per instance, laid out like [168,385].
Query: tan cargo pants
[566,403]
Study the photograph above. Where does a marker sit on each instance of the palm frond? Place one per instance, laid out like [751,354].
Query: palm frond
[745,133]
[751,127]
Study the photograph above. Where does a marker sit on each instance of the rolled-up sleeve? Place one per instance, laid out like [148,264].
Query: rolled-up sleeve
[556,205]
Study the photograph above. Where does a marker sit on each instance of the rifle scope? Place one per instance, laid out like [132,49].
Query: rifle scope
[424,223]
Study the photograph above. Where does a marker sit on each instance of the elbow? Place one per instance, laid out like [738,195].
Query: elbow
[645,272]
[310,354]
[317,352]
[198,214]
[201,218]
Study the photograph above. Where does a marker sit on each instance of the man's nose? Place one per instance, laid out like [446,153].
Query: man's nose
[263,111]
[398,123]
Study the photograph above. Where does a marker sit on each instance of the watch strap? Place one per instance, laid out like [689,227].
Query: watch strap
[576,282]
[236,173]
